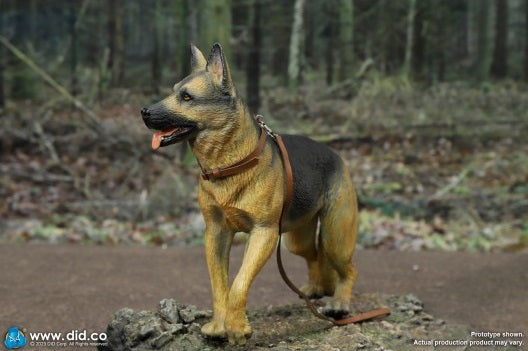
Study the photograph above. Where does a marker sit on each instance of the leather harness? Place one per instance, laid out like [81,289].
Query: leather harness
[250,161]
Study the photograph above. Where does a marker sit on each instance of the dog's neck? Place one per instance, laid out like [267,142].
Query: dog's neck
[227,145]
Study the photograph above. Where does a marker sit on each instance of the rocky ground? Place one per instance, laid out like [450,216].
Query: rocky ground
[174,326]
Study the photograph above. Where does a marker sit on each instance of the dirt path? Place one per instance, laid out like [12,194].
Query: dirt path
[59,288]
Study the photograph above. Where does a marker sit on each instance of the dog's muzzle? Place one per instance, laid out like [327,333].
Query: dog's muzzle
[170,128]
[145,113]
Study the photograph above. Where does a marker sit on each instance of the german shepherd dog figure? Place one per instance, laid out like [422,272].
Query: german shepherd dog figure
[206,110]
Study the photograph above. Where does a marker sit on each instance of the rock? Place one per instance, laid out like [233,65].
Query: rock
[169,310]
[153,330]
[175,329]
[195,328]
[409,304]
[190,313]
[161,340]
[174,326]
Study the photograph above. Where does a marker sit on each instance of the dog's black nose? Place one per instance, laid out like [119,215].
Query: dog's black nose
[145,113]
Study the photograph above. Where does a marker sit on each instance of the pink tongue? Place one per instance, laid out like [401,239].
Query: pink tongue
[156,137]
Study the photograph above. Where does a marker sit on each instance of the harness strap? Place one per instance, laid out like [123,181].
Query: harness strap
[287,201]
[289,178]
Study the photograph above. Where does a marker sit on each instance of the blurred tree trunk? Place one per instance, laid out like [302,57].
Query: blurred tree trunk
[393,46]
[470,29]
[253,63]
[346,39]
[3,10]
[185,37]
[192,11]
[33,11]
[281,12]
[409,40]
[310,19]
[100,52]
[482,61]
[73,48]
[440,17]
[215,25]
[187,29]
[330,36]
[116,41]
[297,34]
[499,65]
[157,33]
[22,78]
[241,35]
[526,40]
[419,42]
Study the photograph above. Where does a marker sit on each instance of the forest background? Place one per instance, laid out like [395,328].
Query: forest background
[426,100]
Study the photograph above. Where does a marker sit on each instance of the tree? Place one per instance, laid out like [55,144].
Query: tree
[22,78]
[526,40]
[282,13]
[297,34]
[192,24]
[242,21]
[157,32]
[330,34]
[183,37]
[499,65]
[439,17]
[32,22]
[483,55]
[419,42]
[253,62]
[346,39]
[73,48]
[116,60]
[409,40]
[215,24]
[3,7]
[311,15]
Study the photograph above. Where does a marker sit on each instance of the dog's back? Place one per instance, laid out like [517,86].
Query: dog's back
[315,169]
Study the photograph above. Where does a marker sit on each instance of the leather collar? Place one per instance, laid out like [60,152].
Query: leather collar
[247,162]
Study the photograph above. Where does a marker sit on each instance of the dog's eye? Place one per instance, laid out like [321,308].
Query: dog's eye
[186,97]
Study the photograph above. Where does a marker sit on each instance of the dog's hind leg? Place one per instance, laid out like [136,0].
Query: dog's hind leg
[339,226]
[302,241]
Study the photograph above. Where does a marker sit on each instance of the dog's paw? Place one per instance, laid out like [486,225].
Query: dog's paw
[336,309]
[214,329]
[238,330]
[312,290]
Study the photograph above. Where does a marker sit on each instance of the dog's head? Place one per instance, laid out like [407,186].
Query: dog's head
[202,102]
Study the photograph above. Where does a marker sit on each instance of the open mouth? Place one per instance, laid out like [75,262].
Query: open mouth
[171,136]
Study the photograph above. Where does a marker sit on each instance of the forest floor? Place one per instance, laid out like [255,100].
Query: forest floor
[439,168]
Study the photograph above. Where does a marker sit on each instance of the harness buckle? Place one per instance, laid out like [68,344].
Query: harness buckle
[264,126]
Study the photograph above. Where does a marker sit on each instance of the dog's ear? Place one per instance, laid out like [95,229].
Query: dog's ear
[198,61]
[217,66]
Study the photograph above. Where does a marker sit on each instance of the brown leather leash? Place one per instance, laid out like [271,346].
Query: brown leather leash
[250,161]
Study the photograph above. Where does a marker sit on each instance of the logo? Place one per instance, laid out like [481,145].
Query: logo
[14,338]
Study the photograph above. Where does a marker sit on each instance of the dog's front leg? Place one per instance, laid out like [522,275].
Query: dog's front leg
[262,242]
[217,246]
